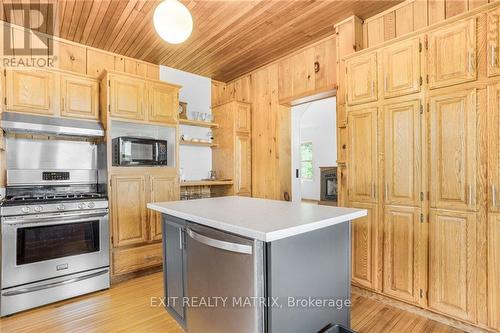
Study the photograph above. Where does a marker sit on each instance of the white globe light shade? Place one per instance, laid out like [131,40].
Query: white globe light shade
[173,21]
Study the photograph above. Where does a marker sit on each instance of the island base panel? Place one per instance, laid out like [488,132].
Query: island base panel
[312,266]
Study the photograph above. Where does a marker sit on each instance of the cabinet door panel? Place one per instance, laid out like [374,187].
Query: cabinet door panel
[128,210]
[494,270]
[494,147]
[453,150]
[401,68]
[79,97]
[162,189]
[127,98]
[362,79]
[402,153]
[364,235]
[362,154]
[493,63]
[243,117]
[243,167]
[400,252]
[137,258]
[452,268]
[452,54]
[164,103]
[29,91]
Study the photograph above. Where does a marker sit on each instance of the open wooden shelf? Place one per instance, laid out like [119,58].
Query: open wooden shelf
[198,123]
[206,183]
[199,144]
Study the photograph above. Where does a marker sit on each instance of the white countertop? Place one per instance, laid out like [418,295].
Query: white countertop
[265,220]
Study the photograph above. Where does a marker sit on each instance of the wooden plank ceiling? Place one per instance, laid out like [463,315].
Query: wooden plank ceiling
[230,38]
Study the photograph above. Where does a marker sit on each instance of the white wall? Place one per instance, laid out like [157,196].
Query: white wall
[196,162]
[318,125]
[296,115]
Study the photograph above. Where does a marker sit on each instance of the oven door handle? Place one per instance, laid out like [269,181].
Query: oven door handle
[54,284]
[54,219]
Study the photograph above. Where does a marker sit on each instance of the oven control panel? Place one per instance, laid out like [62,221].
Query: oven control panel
[55,175]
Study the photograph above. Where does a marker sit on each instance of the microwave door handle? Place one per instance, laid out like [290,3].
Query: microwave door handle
[156,156]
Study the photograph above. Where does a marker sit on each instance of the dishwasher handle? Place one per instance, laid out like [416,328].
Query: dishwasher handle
[228,246]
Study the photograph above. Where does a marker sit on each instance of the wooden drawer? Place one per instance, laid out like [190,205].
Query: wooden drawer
[137,258]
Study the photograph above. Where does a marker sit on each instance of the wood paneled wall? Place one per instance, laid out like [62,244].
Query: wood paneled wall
[412,15]
[271,117]
[77,58]
[271,175]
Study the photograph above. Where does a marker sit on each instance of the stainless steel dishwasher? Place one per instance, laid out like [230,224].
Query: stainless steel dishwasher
[222,266]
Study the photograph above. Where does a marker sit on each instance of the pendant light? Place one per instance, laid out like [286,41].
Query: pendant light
[173,21]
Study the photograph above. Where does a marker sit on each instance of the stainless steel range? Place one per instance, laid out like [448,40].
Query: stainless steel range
[54,224]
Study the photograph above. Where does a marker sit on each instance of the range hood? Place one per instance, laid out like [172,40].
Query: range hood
[25,123]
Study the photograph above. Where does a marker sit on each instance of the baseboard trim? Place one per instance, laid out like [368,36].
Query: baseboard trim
[421,312]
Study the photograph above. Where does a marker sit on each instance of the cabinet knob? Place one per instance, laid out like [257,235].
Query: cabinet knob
[316,67]
[72,58]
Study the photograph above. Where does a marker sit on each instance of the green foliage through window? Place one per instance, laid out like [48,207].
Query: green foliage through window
[306,161]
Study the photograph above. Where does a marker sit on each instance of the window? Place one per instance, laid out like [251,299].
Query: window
[306,161]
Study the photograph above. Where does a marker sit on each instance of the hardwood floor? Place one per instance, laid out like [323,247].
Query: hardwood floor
[126,307]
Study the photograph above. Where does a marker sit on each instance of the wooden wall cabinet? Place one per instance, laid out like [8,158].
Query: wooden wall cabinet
[127,97]
[163,103]
[243,152]
[494,147]
[452,263]
[402,152]
[493,205]
[29,91]
[453,150]
[452,55]
[133,98]
[401,248]
[79,97]
[494,270]
[362,132]
[493,63]
[362,84]
[401,68]
[233,157]
[440,159]
[364,247]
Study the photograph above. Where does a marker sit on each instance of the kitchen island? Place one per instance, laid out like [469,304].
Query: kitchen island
[238,264]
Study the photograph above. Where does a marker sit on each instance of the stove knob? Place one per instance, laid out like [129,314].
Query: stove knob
[81,205]
[60,207]
[91,205]
[25,210]
[38,208]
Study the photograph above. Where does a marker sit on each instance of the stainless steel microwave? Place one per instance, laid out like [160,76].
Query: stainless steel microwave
[130,151]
